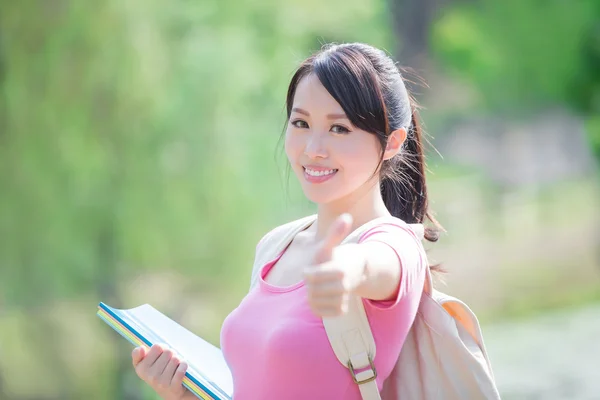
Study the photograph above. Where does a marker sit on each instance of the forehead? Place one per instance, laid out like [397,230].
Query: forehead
[311,94]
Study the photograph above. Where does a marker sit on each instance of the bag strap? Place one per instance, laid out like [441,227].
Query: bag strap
[350,334]
[274,242]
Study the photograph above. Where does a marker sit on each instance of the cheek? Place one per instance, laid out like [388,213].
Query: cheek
[361,156]
[293,148]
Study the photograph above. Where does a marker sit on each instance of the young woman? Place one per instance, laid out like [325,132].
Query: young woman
[354,142]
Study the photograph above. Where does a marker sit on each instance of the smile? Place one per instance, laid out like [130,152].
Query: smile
[318,176]
[320,173]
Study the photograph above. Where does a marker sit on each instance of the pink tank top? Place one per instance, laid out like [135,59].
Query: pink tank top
[277,348]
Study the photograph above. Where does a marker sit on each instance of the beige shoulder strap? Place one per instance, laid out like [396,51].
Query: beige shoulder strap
[275,242]
[350,334]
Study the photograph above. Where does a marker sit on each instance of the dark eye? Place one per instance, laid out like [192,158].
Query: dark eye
[299,123]
[339,129]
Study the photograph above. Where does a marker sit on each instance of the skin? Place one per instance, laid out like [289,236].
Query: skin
[320,135]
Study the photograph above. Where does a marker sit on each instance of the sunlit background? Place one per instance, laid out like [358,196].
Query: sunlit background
[140,163]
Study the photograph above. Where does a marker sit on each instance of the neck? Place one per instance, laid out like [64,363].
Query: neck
[364,205]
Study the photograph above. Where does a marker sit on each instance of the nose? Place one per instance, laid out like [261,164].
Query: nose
[315,146]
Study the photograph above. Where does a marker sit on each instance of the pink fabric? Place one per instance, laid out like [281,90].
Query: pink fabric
[277,348]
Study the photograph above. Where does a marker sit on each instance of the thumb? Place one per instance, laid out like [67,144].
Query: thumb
[138,355]
[336,234]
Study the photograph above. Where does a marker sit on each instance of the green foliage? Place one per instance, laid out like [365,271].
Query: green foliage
[139,136]
[522,53]
[136,132]
[523,56]
[593,128]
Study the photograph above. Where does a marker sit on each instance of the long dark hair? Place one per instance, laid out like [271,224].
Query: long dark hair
[372,92]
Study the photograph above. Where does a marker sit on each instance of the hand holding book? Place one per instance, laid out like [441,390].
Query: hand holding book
[159,340]
[162,370]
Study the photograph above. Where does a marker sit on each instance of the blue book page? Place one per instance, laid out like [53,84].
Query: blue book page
[203,358]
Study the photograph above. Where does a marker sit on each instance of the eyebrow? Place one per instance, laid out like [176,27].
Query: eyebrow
[329,116]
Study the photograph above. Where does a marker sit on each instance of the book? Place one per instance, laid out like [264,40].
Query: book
[207,376]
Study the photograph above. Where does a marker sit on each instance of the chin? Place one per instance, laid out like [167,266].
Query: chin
[318,198]
[320,195]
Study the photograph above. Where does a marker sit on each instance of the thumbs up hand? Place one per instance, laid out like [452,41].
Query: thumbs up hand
[336,272]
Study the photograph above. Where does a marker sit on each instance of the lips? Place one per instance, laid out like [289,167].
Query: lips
[314,174]
[319,172]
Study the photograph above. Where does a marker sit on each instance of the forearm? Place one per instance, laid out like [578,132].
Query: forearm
[380,269]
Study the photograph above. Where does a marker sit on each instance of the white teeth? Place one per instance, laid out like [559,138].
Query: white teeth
[319,173]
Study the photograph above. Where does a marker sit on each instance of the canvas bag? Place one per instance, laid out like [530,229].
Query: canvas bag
[443,356]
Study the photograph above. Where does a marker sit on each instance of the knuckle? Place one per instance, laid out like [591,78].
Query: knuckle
[161,384]
[181,370]
[152,380]
[154,350]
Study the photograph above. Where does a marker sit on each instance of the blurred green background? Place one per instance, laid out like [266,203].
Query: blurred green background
[140,162]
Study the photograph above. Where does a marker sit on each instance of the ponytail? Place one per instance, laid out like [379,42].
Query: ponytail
[403,185]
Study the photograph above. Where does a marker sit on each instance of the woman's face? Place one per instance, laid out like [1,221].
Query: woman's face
[331,158]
